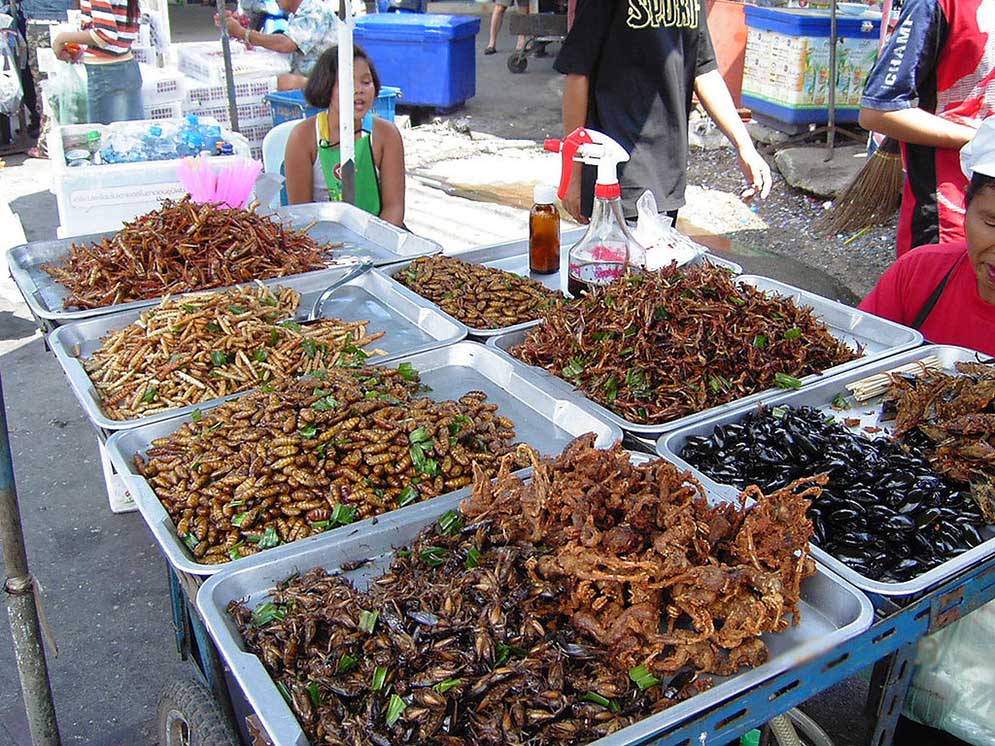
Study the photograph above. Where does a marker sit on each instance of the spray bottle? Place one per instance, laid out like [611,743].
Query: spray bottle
[607,251]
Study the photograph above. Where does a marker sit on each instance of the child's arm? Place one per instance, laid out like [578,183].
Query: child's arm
[391,172]
[298,164]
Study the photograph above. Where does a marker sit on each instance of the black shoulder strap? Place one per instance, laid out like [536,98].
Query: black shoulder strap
[934,297]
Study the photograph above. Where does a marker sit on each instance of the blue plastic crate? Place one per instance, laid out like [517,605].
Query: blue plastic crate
[288,105]
[431,57]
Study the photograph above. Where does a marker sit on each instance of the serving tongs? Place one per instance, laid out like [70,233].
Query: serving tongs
[315,313]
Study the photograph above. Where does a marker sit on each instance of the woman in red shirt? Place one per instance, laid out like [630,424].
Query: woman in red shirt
[947,291]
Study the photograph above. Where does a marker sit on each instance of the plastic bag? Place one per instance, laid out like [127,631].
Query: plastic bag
[664,243]
[69,94]
[10,72]
[954,686]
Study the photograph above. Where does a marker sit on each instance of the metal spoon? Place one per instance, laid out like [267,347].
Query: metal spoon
[348,277]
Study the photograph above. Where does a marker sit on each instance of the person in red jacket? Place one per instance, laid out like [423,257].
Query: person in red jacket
[947,290]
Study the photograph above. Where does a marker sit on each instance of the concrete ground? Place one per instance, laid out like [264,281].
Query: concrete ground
[104,581]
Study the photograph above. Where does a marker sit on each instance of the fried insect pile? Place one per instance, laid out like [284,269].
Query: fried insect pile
[956,414]
[303,456]
[481,297]
[553,612]
[658,346]
[180,247]
[207,346]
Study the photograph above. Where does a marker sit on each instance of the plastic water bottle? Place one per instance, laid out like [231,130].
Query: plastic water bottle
[150,142]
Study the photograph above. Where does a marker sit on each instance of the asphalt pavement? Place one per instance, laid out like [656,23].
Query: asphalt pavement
[104,582]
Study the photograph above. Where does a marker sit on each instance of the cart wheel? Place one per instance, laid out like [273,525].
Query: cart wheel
[189,716]
[517,62]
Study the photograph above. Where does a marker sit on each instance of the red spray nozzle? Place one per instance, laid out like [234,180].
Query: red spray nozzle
[568,147]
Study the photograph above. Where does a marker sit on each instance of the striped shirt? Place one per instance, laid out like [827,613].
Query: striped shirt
[112,33]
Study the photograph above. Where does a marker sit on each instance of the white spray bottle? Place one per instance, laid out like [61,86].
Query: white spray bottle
[607,251]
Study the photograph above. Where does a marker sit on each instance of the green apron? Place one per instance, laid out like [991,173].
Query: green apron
[367,183]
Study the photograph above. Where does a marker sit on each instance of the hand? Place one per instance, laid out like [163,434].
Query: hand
[756,171]
[59,48]
[571,203]
[235,29]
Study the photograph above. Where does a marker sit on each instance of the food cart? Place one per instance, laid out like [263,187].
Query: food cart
[849,622]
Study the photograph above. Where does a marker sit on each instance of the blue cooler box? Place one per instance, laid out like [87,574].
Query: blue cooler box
[428,56]
[786,71]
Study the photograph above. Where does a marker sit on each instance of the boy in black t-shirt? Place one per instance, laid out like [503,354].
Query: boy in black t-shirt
[631,66]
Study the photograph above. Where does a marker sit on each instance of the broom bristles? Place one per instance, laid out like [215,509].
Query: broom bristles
[871,197]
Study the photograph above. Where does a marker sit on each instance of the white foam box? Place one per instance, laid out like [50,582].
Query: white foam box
[93,199]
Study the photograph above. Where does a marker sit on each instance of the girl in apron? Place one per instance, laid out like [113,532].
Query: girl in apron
[311,161]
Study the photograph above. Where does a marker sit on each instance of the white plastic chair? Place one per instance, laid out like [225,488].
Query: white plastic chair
[274,148]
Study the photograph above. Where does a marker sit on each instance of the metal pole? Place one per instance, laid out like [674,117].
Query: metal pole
[20,595]
[347,127]
[229,73]
[831,123]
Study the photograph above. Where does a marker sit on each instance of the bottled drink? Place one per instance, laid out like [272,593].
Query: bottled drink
[544,231]
[227,149]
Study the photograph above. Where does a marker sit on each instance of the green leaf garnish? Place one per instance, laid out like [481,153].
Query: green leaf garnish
[343,514]
[150,394]
[218,358]
[784,381]
[395,709]
[444,686]
[379,677]
[267,613]
[346,663]
[643,678]
[433,556]
[368,620]
[792,333]
[472,558]
[760,341]
[450,522]
[407,372]
[308,431]
[408,495]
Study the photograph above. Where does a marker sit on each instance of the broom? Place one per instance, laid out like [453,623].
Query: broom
[871,197]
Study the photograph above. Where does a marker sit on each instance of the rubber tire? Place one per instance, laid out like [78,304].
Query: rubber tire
[188,703]
[518,62]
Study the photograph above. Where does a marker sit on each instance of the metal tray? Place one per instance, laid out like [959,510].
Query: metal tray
[411,323]
[365,237]
[821,396]
[831,613]
[513,256]
[878,337]
[542,420]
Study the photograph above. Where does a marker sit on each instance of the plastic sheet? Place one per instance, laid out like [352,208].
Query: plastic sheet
[954,686]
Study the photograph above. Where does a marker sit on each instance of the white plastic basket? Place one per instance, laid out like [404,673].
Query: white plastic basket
[161,85]
[145,55]
[248,114]
[205,63]
[166,110]
[197,93]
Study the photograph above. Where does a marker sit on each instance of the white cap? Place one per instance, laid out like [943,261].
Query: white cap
[543,194]
[978,156]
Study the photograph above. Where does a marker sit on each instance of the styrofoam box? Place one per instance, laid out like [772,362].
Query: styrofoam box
[93,199]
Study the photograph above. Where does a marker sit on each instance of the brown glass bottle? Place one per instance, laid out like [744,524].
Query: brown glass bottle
[544,232]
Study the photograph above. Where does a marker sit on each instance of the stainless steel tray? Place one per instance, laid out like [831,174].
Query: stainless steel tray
[513,256]
[365,236]
[411,323]
[878,337]
[541,419]
[831,613]
[821,396]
